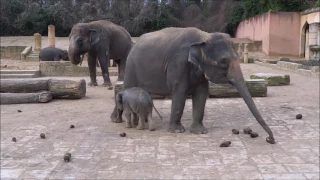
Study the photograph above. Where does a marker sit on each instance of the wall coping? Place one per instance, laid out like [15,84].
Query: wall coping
[309,11]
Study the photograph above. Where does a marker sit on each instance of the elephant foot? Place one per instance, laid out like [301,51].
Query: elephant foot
[108,84]
[176,128]
[198,129]
[93,83]
[270,140]
[115,119]
[128,126]
[139,127]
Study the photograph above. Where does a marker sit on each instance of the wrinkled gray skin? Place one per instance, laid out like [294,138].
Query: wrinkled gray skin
[136,104]
[180,62]
[103,40]
[53,54]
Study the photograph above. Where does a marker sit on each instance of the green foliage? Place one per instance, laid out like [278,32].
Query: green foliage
[318,3]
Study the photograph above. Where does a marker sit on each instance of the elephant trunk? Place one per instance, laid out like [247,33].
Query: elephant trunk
[235,76]
[74,54]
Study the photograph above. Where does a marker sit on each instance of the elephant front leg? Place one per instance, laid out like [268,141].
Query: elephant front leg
[92,61]
[199,98]
[178,102]
[104,64]
[121,69]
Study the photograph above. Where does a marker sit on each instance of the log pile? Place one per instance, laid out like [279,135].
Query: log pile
[17,91]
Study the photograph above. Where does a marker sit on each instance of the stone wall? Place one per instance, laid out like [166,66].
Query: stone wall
[11,52]
[66,68]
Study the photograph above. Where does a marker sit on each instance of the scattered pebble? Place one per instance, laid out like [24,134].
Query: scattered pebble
[247,130]
[235,131]
[67,157]
[299,116]
[225,144]
[71,126]
[19,110]
[14,139]
[254,134]
[43,136]
[123,134]
[110,88]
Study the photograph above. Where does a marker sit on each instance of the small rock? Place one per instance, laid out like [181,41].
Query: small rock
[235,131]
[19,110]
[14,139]
[254,134]
[71,126]
[67,157]
[247,130]
[5,66]
[110,88]
[299,116]
[43,136]
[225,144]
[123,134]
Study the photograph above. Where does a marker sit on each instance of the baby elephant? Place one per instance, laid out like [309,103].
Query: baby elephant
[136,102]
[53,54]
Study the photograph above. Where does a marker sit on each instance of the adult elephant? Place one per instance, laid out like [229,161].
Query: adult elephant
[103,40]
[180,62]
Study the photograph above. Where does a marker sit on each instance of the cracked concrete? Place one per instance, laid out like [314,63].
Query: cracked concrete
[98,152]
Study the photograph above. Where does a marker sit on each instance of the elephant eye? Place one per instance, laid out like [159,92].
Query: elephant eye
[223,63]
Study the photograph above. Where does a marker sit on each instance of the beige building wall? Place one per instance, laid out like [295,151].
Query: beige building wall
[279,32]
[307,18]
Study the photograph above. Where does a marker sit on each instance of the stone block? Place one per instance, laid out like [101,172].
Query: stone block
[315,69]
[304,72]
[256,87]
[272,79]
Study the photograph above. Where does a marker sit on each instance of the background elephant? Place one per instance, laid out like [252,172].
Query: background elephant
[180,61]
[136,103]
[103,40]
[53,54]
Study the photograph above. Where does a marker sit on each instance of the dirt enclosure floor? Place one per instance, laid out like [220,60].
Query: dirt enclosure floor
[98,152]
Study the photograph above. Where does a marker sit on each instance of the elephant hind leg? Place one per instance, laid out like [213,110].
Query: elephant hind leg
[142,119]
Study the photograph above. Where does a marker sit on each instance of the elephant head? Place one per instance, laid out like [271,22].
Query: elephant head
[217,60]
[81,39]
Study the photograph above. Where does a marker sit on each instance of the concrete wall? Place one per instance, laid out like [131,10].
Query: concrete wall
[279,32]
[284,33]
[256,29]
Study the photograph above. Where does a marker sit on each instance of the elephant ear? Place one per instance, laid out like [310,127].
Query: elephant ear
[94,37]
[196,54]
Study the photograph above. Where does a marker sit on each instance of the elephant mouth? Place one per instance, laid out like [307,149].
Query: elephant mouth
[82,56]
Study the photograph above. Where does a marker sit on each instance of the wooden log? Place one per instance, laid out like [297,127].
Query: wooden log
[67,89]
[23,85]
[256,87]
[21,98]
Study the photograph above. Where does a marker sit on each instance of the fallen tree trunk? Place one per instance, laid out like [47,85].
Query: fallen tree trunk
[23,85]
[21,98]
[256,87]
[59,88]
[67,89]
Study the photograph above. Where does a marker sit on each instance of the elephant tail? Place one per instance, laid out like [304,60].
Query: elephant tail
[156,110]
